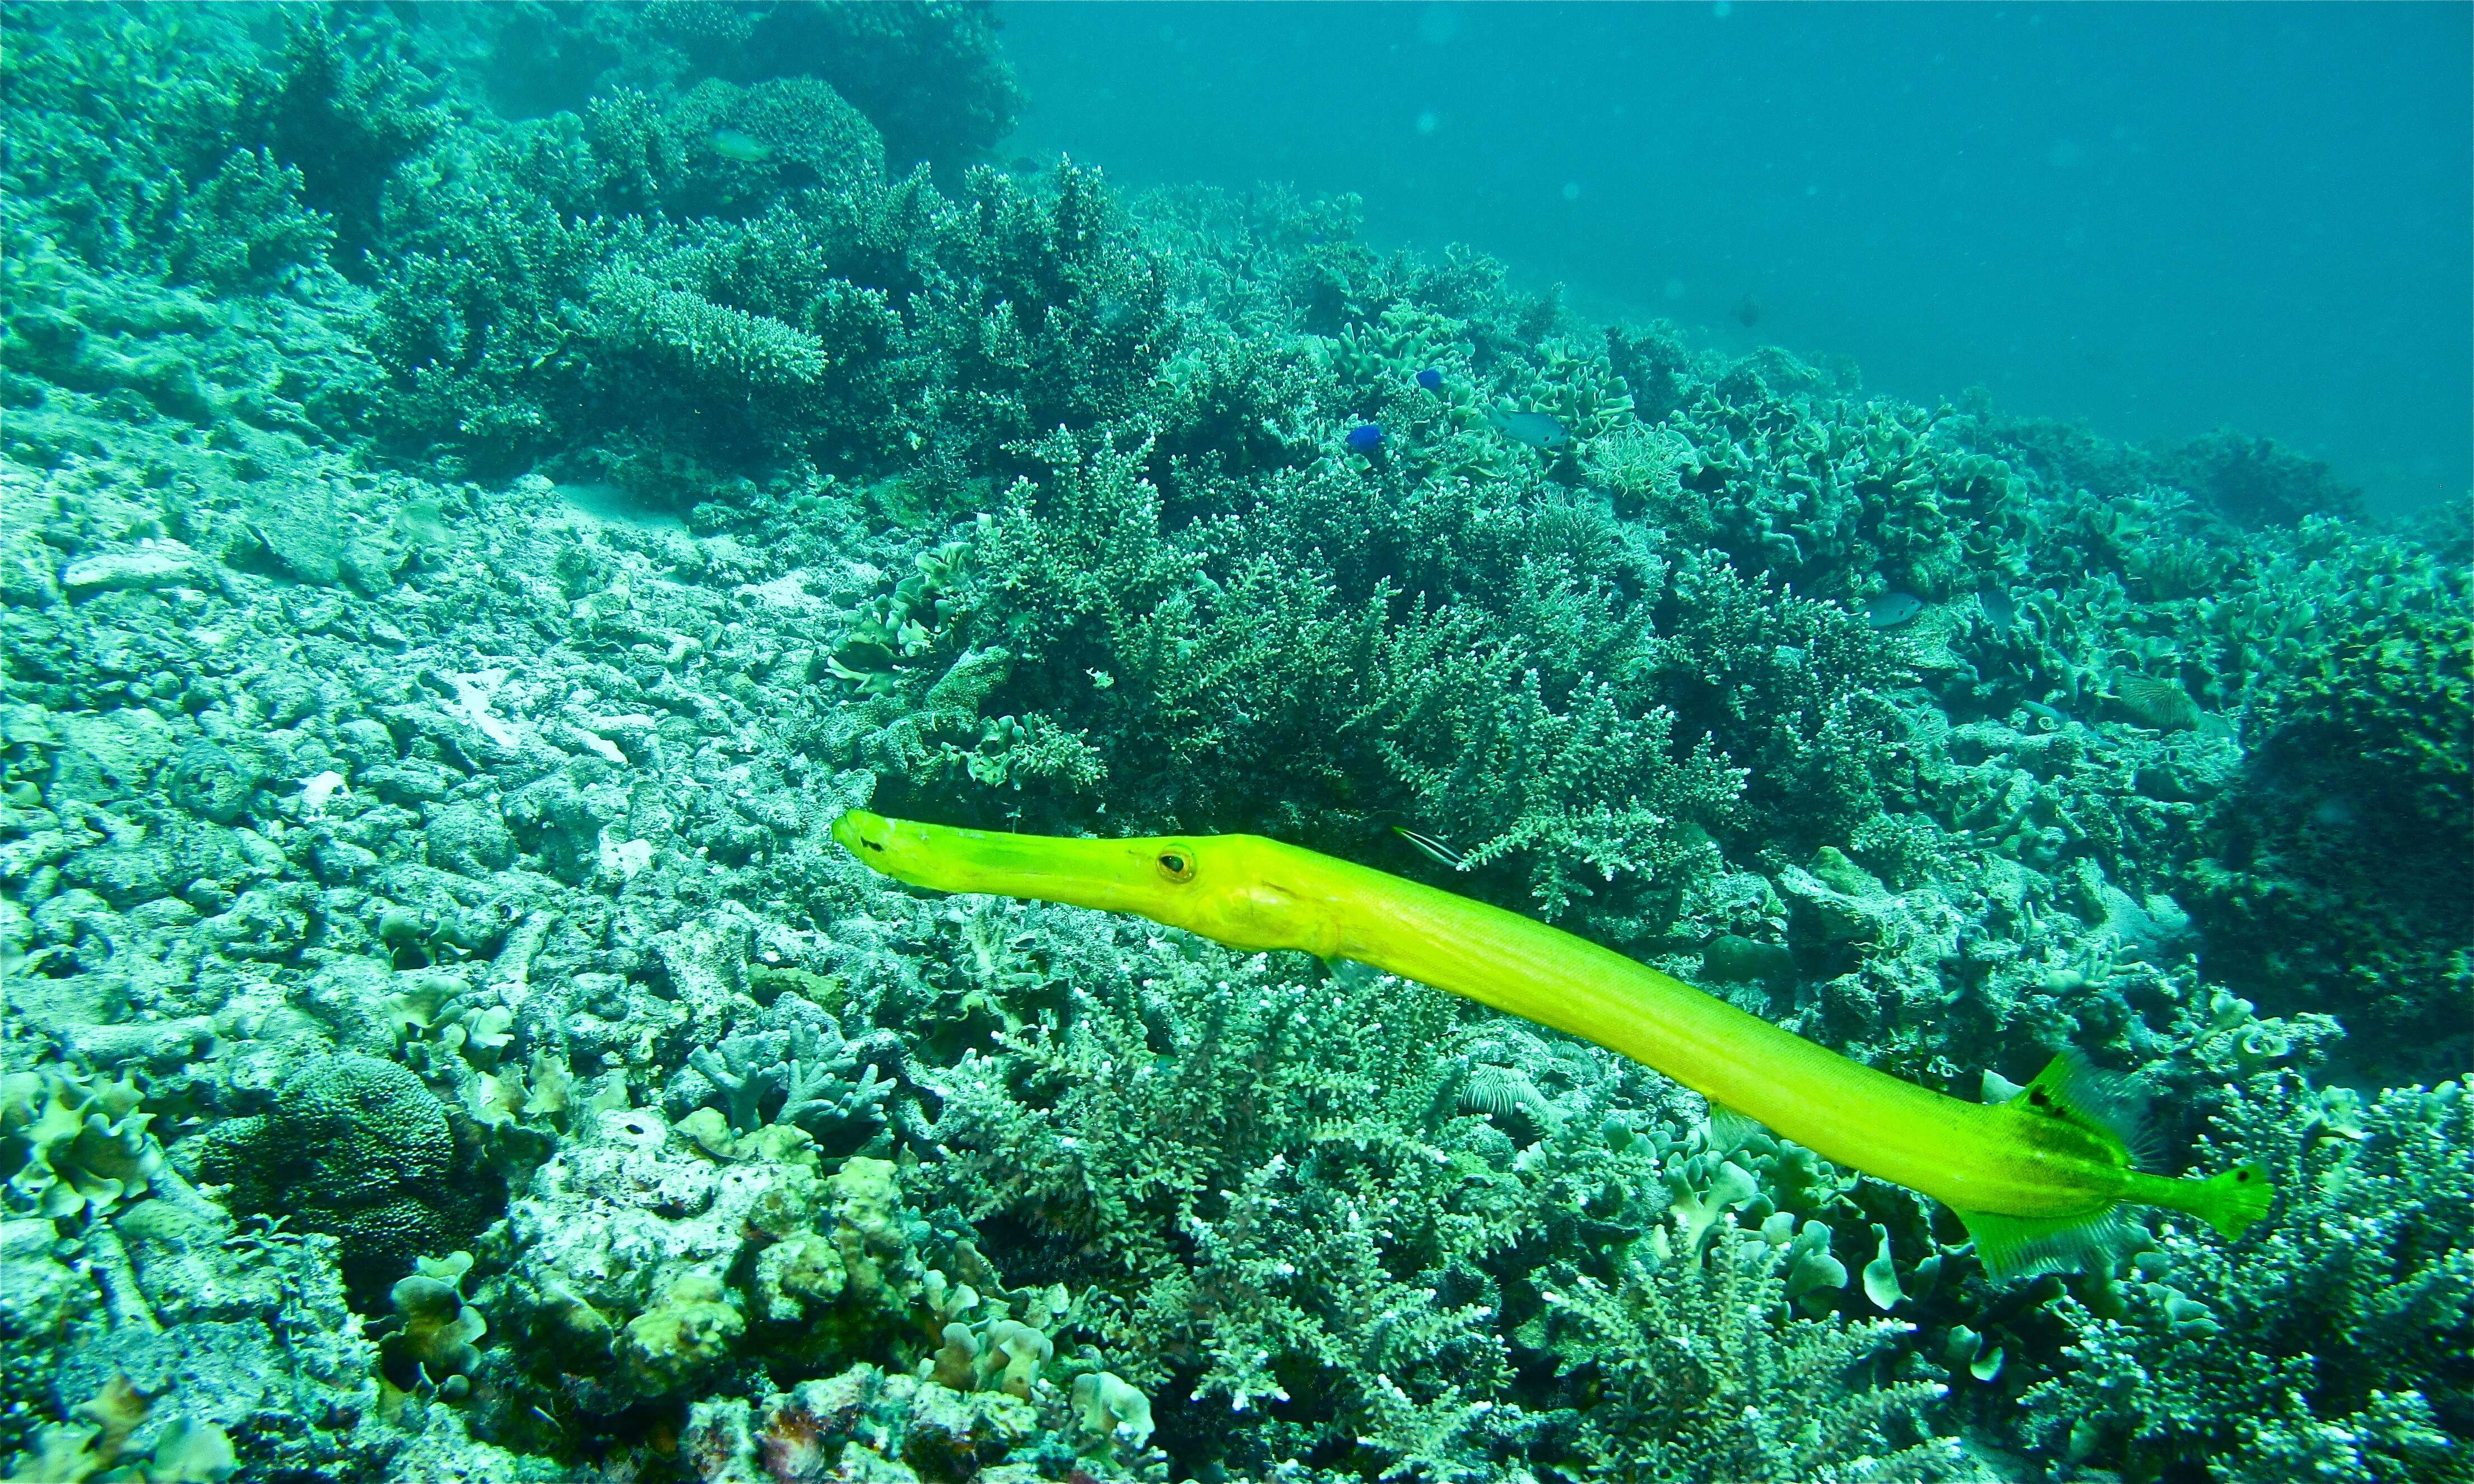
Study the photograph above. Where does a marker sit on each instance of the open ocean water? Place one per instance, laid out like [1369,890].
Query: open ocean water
[780,742]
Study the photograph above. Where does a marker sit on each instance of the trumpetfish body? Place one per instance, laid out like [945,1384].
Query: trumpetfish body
[2039,1179]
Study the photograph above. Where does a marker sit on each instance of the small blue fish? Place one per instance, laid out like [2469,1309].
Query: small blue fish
[1431,379]
[1365,438]
[1892,609]
[1537,429]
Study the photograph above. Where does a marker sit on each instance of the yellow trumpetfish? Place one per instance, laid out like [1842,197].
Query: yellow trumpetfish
[2039,1179]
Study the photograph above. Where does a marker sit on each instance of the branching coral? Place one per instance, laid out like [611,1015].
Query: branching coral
[1696,1381]
[803,1071]
[1578,789]
[687,334]
[1393,1287]
[2339,861]
[2333,1346]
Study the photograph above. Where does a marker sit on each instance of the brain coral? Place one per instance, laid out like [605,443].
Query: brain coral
[358,1148]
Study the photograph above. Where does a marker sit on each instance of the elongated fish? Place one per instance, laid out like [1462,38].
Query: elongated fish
[2040,1180]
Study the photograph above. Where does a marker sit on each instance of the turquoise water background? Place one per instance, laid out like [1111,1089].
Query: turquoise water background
[2158,218]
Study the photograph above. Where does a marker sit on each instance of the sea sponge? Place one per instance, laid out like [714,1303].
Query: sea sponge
[212,781]
[795,1276]
[682,1337]
[870,1234]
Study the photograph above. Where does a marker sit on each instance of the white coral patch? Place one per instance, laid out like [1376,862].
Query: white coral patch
[317,789]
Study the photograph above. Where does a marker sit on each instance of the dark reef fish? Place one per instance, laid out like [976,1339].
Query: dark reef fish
[1365,438]
[1748,311]
[1431,379]
[1537,429]
[2040,1180]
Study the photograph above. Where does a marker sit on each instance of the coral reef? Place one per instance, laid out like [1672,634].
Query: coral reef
[2339,860]
[483,488]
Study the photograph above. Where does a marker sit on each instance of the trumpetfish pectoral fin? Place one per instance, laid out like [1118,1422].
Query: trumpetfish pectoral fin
[2023,1246]
[1729,1129]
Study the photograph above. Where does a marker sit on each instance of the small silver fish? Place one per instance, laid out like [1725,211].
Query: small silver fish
[1892,609]
[1999,610]
[1537,429]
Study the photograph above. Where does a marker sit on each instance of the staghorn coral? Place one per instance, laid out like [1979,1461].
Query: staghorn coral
[720,346]
[1581,790]
[1331,1243]
[799,1068]
[1691,1387]
[344,115]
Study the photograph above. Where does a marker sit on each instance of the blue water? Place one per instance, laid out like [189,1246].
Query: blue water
[2158,219]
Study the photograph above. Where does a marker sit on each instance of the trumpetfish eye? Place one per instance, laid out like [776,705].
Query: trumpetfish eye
[1177,866]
